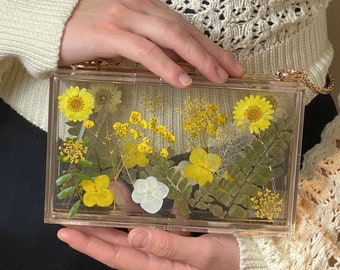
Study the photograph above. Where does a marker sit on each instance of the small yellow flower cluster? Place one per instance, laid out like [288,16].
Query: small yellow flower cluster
[267,204]
[73,150]
[88,124]
[201,116]
[139,129]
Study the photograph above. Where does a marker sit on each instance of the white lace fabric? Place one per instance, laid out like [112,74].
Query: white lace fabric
[316,244]
[266,35]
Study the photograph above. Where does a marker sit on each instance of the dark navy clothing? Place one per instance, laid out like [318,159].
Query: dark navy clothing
[25,241]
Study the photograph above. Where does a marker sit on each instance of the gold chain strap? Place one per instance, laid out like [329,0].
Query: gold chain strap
[283,75]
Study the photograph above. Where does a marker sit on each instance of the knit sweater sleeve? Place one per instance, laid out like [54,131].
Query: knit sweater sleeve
[316,243]
[31,31]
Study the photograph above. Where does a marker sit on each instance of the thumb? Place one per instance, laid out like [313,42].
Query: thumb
[164,244]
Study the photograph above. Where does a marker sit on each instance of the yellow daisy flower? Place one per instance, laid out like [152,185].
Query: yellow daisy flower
[202,166]
[254,111]
[105,95]
[76,104]
[97,192]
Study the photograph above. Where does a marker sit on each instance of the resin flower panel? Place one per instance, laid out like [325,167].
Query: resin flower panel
[135,152]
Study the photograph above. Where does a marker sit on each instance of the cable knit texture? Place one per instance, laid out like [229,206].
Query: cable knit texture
[30,36]
[266,35]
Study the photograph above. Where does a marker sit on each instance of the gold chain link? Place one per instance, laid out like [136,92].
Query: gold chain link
[284,75]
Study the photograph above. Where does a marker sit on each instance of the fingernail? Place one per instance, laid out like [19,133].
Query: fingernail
[139,239]
[222,74]
[185,79]
[240,66]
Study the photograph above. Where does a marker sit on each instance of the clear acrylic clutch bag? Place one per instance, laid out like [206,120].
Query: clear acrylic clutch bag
[126,149]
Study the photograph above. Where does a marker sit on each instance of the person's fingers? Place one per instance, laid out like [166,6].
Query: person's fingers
[107,234]
[173,36]
[143,51]
[114,255]
[183,249]
[224,58]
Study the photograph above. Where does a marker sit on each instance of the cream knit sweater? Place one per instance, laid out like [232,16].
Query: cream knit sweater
[265,35]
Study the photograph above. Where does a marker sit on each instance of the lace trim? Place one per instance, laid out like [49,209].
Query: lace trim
[248,26]
[318,212]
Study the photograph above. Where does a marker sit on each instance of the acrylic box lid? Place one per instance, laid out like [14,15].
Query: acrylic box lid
[126,149]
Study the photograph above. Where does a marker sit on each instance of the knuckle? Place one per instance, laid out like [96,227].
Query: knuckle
[176,31]
[165,248]
[146,49]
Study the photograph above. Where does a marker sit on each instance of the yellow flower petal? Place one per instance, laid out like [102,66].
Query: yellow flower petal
[202,166]
[255,111]
[97,191]
[102,181]
[76,104]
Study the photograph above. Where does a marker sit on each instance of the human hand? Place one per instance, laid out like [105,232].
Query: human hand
[142,249]
[147,32]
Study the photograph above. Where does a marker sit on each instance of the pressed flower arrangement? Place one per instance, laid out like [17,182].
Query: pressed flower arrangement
[127,150]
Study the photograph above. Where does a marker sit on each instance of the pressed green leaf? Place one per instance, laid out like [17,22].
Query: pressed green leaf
[243,164]
[202,206]
[187,192]
[143,175]
[250,189]
[183,184]
[66,192]
[60,158]
[277,160]
[63,179]
[85,163]
[173,193]
[278,172]
[251,154]
[176,176]
[83,176]
[266,161]
[181,201]
[225,199]
[285,135]
[261,176]
[236,173]
[74,131]
[217,210]
[238,212]
[185,210]
[259,147]
[278,147]
[73,210]
[243,200]
[86,140]
[290,122]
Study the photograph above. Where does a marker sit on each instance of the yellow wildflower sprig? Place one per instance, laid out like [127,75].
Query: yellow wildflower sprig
[201,118]
[267,204]
[73,151]
[138,134]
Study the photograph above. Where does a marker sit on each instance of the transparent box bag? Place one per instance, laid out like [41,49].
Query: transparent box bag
[126,149]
